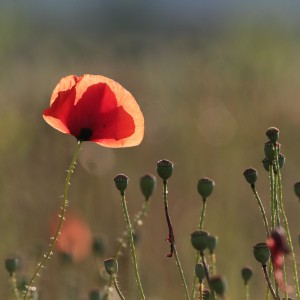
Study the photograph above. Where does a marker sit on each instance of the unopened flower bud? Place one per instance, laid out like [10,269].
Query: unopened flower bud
[273,134]
[206,295]
[250,175]
[281,160]
[205,187]
[12,264]
[211,242]
[200,272]
[218,284]
[266,164]
[111,266]
[199,240]
[165,169]
[147,184]
[95,294]
[297,189]
[98,246]
[261,253]
[121,182]
[246,273]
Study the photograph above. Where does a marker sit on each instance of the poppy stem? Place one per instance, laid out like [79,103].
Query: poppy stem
[13,283]
[264,267]
[171,239]
[197,256]
[262,210]
[132,247]
[286,227]
[54,239]
[122,241]
[114,279]
[247,291]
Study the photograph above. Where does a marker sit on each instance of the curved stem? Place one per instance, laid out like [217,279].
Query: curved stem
[132,247]
[264,267]
[54,239]
[171,239]
[117,288]
[262,210]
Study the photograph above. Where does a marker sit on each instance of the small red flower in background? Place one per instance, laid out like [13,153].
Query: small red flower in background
[75,238]
[95,108]
[278,246]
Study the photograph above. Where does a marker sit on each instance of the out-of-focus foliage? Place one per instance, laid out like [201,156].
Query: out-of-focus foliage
[208,93]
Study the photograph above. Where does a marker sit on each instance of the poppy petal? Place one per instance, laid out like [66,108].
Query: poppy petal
[97,104]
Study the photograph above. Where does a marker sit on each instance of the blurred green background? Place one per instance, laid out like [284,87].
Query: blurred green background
[210,77]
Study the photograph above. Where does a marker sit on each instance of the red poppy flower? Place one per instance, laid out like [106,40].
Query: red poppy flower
[75,237]
[278,246]
[95,108]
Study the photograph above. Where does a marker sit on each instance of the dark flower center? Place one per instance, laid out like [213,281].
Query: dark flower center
[85,134]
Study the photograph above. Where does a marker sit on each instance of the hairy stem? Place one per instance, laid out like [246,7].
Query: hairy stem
[132,247]
[63,209]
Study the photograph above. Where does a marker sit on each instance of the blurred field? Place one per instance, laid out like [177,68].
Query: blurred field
[208,94]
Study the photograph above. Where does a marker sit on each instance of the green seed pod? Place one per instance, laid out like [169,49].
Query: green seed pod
[281,160]
[261,253]
[165,169]
[12,264]
[205,187]
[147,185]
[246,273]
[218,284]
[251,175]
[270,150]
[200,272]
[199,240]
[297,189]
[206,295]
[266,164]
[121,182]
[98,246]
[111,266]
[95,294]
[273,134]
[212,242]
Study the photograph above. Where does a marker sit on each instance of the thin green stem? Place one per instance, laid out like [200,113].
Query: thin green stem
[118,288]
[286,227]
[202,217]
[213,263]
[181,273]
[132,247]
[171,239]
[63,209]
[108,288]
[197,256]
[122,241]
[136,221]
[267,277]
[262,210]
[201,290]
[13,283]
[247,291]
